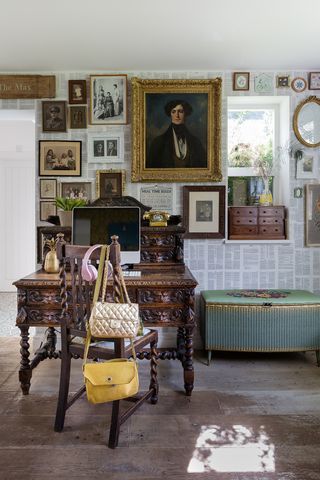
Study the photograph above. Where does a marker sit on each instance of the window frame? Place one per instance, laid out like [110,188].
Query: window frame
[258,103]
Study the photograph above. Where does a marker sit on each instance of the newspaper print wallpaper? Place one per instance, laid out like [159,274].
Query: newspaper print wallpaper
[216,265]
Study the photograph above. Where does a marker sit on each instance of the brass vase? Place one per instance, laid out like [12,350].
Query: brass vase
[51,262]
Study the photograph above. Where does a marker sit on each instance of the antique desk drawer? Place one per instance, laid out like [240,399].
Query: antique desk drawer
[243,211]
[271,230]
[243,230]
[271,212]
[244,220]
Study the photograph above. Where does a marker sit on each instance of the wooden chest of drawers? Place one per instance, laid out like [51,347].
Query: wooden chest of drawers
[256,223]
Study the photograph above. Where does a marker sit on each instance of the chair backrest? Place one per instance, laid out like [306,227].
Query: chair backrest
[77,294]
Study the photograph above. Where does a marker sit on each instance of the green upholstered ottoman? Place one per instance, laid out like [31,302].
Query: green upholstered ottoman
[260,321]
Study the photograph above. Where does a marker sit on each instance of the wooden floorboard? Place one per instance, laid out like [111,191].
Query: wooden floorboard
[250,417]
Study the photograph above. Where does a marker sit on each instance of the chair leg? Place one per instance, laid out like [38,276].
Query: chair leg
[63,391]
[115,425]
[153,373]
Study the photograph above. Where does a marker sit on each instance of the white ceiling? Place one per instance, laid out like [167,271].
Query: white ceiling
[174,35]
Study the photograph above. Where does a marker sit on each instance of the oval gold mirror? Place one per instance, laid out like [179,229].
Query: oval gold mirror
[306,122]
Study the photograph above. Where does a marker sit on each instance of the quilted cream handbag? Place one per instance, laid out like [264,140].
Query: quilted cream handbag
[112,320]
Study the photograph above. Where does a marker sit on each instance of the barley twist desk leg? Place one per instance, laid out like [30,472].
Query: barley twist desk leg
[188,362]
[25,372]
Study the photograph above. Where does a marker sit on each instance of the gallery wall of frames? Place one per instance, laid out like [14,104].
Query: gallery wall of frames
[90,143]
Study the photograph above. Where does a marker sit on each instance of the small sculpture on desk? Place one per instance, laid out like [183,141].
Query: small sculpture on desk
[51,262]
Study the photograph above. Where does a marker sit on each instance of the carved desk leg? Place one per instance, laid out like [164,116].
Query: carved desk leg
[25,372]
[181,340]
[188,362]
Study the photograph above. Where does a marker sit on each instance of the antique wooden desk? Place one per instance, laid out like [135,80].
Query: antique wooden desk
[165,295]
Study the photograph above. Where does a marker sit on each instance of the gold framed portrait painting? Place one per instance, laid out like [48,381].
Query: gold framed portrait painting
[176,130]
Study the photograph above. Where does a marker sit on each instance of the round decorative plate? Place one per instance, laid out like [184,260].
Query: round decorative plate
[299,84]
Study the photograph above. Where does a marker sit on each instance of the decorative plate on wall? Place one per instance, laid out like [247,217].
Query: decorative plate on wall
[299,84]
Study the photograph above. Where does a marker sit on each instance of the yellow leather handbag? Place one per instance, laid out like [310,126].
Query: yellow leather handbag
[111,380]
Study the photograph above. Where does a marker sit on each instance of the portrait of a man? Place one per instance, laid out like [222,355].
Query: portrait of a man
[112,150]
[176,126]
[54,116]
[177,132]
[98,147]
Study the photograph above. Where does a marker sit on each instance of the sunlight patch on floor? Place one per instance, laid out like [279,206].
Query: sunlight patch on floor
[237,449]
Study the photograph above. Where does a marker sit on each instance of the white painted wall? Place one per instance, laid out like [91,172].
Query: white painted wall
[17,194]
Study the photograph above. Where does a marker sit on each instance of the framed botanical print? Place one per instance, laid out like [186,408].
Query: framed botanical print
[312,215]
[78,116]
[263,83]
[105,148]
[176,130]
[47,208]
[204,211]
[59,158]
[48,187]
[108,99]
[307,166]
[314,81]
[77,91]
[241,80]
[54,116]
[110,183]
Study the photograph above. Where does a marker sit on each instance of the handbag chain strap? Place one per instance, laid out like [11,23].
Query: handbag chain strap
[103,275]
[124,294]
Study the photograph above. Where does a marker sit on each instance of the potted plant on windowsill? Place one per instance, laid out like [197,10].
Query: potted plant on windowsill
[65,206]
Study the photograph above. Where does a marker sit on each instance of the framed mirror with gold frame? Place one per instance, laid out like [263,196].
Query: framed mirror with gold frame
[306,122]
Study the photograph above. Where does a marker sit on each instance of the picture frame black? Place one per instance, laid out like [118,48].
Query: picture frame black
[60,158]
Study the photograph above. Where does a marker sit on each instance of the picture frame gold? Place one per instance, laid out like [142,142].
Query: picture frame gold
[204,211]
[152,139]
[110,183]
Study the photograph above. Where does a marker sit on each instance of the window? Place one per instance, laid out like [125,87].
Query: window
[258,127]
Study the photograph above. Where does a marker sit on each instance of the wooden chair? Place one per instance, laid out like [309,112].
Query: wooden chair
[76,297]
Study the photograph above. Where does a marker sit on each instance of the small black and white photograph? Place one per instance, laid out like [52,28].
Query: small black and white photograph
[104,148]
[99,148]
[112,148]
[54,116]
[108,99]
[204,211]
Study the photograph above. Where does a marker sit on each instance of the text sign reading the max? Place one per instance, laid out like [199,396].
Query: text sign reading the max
[27,86]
